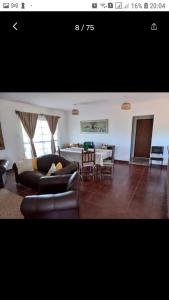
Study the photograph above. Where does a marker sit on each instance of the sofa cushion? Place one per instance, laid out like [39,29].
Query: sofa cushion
[30,178]
[51,170]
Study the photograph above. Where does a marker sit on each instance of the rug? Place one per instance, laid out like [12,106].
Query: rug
[10,205]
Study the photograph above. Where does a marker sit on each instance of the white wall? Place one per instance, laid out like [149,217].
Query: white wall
[11,129]
[120,123]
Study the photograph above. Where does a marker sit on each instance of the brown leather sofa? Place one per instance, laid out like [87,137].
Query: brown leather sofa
[37,179]
[3,168]
[54,206]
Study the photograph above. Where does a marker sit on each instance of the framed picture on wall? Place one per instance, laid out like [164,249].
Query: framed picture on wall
[2,146]
[94,126]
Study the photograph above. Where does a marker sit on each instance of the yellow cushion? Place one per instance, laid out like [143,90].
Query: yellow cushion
[34,163]
[59,166]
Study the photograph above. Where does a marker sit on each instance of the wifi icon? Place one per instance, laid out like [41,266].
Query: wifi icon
[103,5]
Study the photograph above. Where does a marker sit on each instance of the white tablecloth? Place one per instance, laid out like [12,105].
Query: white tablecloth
[75,154]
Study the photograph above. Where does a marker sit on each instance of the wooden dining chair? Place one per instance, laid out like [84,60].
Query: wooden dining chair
[88,165]
[113,152]
[108,164]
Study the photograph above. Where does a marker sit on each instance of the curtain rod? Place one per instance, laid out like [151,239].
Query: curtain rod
[17,111]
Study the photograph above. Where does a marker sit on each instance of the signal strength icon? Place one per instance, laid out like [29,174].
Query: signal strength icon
[126,6]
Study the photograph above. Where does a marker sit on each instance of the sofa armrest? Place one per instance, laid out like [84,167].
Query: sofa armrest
[53,184]
[65,205]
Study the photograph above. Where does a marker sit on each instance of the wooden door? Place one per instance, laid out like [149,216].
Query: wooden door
[143,137]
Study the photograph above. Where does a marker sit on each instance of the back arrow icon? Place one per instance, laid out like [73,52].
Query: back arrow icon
[14,26]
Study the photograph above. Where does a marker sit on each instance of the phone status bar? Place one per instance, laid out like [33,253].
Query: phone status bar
[67,5]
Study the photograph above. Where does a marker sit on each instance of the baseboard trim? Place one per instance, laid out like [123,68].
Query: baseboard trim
[125,162]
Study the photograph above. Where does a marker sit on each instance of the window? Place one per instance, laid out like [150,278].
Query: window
[42,138]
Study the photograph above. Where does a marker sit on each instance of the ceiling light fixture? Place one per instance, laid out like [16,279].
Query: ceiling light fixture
[75,111]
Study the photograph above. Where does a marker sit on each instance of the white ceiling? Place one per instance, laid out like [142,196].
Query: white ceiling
[65,101]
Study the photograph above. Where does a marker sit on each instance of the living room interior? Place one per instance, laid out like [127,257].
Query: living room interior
[121,129]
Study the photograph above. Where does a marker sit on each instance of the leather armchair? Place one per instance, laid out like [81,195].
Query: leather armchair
[35,178]
[63,205]
[53,184]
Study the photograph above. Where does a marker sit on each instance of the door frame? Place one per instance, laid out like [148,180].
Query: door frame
[133,131]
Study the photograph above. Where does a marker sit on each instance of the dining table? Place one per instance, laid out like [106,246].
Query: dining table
[75,154]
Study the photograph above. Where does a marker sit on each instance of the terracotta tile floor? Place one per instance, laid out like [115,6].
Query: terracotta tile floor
[133,192]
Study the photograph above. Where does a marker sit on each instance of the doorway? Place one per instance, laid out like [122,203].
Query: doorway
[142,129]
